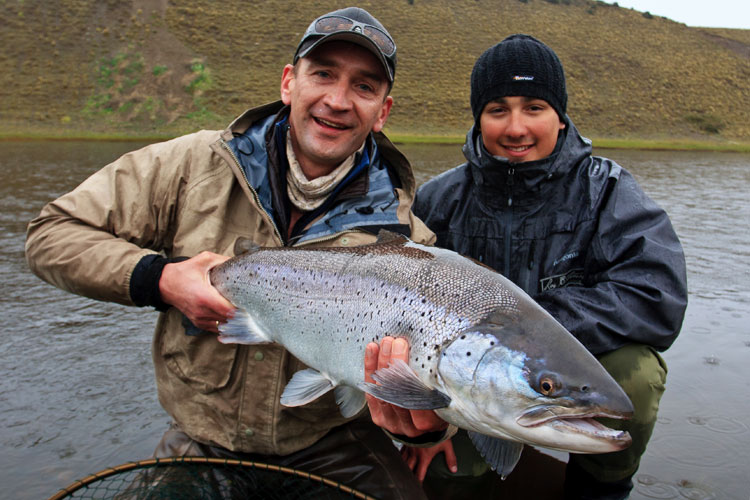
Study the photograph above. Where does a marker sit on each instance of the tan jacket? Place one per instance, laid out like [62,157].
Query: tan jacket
[179,198]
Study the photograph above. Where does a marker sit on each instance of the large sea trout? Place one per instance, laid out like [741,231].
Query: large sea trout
[483,354]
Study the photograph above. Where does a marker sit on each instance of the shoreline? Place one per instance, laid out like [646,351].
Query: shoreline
[675,144]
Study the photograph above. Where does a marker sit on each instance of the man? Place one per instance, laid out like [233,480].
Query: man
[574,231]
[313,169]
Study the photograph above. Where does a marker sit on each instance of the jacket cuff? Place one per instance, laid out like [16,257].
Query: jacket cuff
[426,440]
[144,282]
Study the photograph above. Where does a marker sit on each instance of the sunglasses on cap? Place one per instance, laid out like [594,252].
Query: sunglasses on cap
[335,24]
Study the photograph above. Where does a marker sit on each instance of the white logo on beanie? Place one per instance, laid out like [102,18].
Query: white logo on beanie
[519,77]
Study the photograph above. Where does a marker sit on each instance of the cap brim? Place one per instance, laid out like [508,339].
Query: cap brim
[352,37]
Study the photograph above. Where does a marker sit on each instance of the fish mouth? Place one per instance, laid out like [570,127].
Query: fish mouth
[575,421]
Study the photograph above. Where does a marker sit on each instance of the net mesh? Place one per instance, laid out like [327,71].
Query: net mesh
[204,478]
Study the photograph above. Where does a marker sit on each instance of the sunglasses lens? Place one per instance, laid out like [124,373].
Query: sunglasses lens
[333,24]
[381,40]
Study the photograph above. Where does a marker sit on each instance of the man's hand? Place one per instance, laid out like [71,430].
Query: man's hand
[419,459]
[396,420]
[185,285]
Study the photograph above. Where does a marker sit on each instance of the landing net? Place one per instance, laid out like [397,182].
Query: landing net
[191,478]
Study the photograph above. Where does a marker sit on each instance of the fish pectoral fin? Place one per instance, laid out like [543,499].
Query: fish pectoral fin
[305,386]
[501,455]
[399,385]
[350,400]
[242,329]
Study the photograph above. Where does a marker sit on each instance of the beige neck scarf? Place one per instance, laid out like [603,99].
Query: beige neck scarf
[305,194]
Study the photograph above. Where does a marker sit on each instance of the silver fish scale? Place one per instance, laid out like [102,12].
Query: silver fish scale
[319,302]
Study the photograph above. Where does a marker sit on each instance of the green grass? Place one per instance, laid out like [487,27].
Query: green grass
[604,143]
[672,145]
[401,138]
[647,78]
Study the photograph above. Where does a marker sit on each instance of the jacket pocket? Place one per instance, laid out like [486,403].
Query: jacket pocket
[200,361]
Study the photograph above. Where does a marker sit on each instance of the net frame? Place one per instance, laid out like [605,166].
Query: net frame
[163,462]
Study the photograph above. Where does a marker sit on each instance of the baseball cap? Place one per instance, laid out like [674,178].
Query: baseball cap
[354,25]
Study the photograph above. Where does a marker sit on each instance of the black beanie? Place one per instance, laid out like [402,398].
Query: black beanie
[520,65]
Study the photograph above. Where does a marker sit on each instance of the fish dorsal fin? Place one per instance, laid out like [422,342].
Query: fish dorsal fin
[245,245]
[350,400]
[386,236]
[242,329]
[305,386]
[399,385]
[501,455]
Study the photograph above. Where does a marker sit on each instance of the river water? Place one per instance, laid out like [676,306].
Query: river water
[77,393]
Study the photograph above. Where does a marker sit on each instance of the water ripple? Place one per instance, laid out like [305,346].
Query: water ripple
[651,487]
[704,452]
[723,425]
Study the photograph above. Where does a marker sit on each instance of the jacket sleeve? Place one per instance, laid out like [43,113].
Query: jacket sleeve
[89,241]
[635,285]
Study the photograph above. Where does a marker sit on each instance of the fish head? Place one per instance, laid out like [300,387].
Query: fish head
[520,375]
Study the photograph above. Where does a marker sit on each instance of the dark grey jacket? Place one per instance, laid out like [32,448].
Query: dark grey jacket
[575,231]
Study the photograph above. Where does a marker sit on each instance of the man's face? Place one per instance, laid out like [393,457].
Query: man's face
[337,96]
[520,128]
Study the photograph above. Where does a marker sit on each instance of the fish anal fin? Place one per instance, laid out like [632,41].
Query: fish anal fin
[304,387]
[399,385]
[501,455]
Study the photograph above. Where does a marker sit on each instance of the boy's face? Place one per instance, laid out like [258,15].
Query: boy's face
[520,128]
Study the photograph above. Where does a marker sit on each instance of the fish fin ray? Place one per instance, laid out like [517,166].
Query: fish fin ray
[242,329]
[244,245]
[501,455]
[399,385]
[305,386]
[350,400]
[386,236]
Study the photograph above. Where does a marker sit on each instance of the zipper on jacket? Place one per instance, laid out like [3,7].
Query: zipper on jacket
[508,218]
[322,239]
[527,274]
[252,189]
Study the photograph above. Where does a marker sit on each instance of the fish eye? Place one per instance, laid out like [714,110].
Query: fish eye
[547,386]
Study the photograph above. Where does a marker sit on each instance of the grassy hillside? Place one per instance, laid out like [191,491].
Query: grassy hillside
[161,67]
